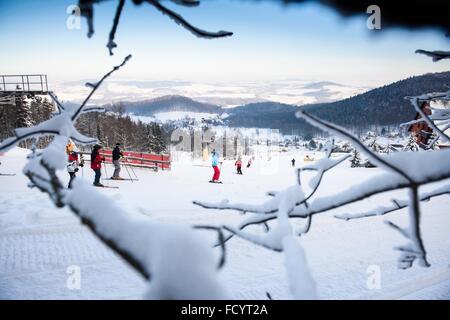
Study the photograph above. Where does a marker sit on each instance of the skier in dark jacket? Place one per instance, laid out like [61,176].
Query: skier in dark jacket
[293,162]
[96,164]
[116,155]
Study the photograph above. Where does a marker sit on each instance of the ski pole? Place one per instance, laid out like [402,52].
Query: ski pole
[126,168]
[132,170]
[134,174]
[106,172]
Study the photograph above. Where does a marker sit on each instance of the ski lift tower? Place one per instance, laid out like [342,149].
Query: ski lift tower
[25,84]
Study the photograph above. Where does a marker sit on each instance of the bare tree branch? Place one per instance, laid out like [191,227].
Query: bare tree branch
[97,85]
[185,24]
[111,44]
[435,55]
[87,11]
[220,242]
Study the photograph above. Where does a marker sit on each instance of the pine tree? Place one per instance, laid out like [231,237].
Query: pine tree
[411,145]
[7,120]
[159,145]
[23,112]
[356,159]
[41,110]
[312,145]
[47,109]
[149,139]
[346,147]
[373,144]
[100,136]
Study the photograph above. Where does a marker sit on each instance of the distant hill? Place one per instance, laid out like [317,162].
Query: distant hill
[169,103]
[384,106]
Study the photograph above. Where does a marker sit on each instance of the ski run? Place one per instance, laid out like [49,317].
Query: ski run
[43,247]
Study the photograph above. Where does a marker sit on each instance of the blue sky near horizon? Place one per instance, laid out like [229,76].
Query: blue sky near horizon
[270,42]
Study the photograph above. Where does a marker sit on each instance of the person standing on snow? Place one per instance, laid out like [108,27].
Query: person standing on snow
[249,163]
[70,147]
[96,164]
[293,162]
[72,167]
[238,165]
[215,165]
[116,155]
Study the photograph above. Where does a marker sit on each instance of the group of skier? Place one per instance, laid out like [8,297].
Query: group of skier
[215,165]
[75,160]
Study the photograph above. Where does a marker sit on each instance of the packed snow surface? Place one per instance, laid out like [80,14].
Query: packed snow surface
[41,245]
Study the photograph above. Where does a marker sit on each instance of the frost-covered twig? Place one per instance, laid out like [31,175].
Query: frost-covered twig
[442,135]
[55,99]
[438,120]
[96,86]
[344,134]
[395,205]
[322,166]
[271,205]
[413,179]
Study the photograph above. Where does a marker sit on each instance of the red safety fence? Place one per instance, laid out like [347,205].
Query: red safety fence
[140,159]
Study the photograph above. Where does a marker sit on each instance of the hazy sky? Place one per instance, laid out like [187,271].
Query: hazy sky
[271,42]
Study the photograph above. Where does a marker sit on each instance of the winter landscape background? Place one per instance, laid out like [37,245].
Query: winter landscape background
[343,133]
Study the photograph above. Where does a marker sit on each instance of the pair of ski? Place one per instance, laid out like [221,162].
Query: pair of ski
[7,174]
[115,187]
[107,187]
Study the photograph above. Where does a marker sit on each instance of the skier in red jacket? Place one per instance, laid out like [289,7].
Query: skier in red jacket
[238,165]
[96,164]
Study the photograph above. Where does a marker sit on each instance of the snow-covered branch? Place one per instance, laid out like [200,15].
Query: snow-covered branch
[344,134]
[95,86]
[395,205]
[430,122]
